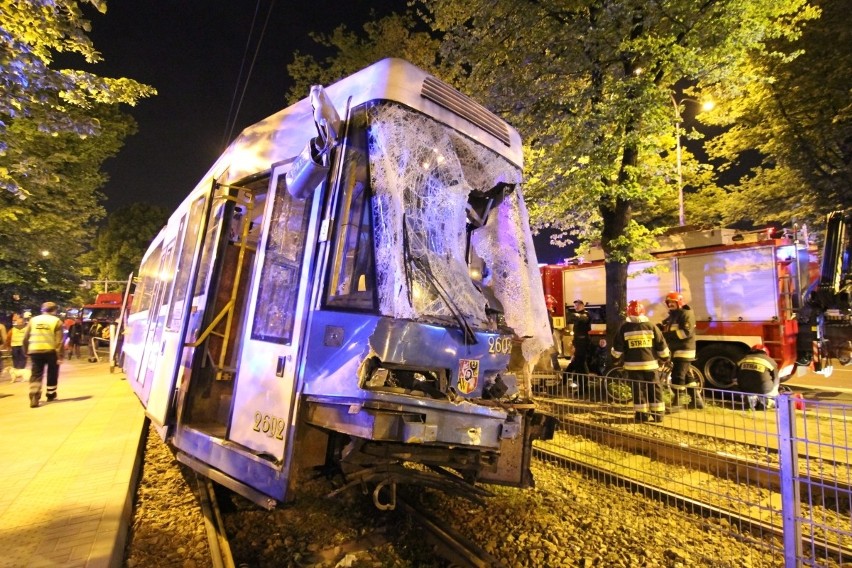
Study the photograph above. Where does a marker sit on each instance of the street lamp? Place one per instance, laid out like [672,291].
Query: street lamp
[706,105]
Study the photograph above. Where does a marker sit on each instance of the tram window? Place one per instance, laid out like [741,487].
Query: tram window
[145,290]
[353,271]
[208,248]
[282,264]
[182,269]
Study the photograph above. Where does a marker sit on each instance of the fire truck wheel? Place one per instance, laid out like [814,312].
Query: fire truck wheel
[844,353]
[718,363]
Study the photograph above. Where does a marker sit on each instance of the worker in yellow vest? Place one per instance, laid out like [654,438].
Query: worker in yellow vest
[43,344]
[16,341]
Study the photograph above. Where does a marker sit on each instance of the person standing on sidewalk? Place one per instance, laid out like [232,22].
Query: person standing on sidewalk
[19,356]
[43,344]
[4,340]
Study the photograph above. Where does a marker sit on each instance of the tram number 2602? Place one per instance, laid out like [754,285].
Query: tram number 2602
[269,425]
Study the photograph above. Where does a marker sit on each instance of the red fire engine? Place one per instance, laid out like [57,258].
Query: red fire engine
[744,288]
[105,309]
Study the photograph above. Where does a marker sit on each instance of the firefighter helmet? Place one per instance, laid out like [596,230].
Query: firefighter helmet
[675,297]
[635,308]
[760,347]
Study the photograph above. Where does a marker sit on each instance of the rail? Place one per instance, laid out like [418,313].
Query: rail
[781,475]
[217,538]
[449,544]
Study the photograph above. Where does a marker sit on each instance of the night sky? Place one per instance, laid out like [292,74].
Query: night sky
[191,51]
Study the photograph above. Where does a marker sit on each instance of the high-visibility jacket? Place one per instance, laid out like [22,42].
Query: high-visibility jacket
[679,331]
[757,373]
[45,334]
[640,343]
[18,333]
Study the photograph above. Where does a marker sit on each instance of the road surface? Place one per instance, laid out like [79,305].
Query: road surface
[838,386]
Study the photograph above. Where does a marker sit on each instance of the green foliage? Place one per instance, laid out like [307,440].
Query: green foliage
[57,101]
[590,86]
[60,212]
[799,119]
[121,243]
[396,35]
[57,127]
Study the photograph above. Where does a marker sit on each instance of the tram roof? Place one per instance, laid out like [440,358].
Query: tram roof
[284,134]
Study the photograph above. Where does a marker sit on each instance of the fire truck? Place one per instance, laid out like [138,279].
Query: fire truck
[826,319]
[745,288]
[105,309]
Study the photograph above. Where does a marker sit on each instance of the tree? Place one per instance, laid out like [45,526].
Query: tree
[121,243]
[57,127]
[799,121]
[589,85]
[45,234]
[396,35]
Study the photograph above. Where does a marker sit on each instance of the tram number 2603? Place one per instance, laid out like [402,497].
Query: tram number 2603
[499,345]
[269,425]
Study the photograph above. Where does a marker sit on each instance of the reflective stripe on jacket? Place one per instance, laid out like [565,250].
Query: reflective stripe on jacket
[641,343]
[679,331]
[757,373]
[45,334]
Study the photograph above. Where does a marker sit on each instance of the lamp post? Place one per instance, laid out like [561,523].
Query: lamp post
[706,105]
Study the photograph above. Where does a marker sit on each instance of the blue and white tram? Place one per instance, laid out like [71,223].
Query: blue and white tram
[360,289]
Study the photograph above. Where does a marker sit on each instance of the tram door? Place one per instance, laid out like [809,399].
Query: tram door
[166,330]
[145,371]
[275,320]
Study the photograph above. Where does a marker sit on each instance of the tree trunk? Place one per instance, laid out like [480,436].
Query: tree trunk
[617,250]
[616,296]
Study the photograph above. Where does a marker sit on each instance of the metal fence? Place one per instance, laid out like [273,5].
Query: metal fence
[775,473]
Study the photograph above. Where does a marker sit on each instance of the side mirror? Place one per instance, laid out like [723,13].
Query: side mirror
[307,172]
[311,165]
[325,117]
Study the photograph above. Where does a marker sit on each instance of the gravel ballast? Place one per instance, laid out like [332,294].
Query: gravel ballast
[566,520]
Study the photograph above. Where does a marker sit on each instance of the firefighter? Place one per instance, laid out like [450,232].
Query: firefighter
[679,331]
[43,344]
[582,326]
[757,375]
[641,343]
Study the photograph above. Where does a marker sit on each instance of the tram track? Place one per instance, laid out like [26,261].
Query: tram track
[706,452]
[725,464]
[448,543]
[217,538]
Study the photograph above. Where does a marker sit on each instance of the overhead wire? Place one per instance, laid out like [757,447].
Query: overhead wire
[234,114]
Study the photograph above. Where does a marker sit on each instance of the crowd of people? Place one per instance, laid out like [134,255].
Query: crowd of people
[640,347]
[46,340]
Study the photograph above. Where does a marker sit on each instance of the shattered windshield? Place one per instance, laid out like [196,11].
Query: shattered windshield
[450,227]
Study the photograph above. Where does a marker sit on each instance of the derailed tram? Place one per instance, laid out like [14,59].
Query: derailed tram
[352,289]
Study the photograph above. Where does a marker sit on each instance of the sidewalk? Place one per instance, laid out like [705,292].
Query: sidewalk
[67,469]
